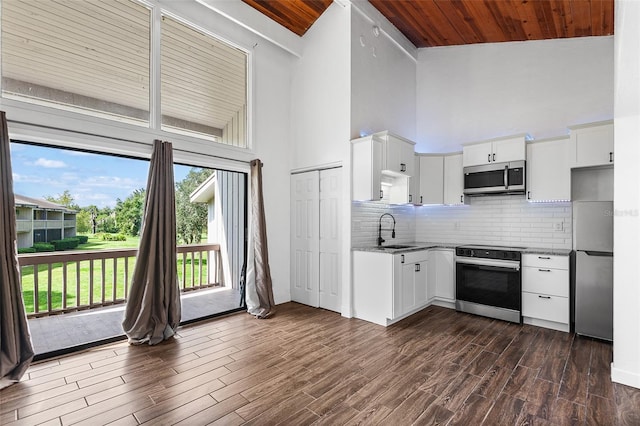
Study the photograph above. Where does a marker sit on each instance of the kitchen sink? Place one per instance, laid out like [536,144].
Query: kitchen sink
[395,246]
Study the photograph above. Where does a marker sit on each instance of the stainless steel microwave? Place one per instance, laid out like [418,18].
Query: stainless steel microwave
[496,178]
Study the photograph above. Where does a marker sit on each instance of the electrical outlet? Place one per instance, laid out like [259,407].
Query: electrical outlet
[557,226]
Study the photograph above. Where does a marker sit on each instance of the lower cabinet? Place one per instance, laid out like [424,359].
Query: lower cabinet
[388,287]
[545,291]
[441,277]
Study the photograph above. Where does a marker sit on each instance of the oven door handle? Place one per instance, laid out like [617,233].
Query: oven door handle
[493,263]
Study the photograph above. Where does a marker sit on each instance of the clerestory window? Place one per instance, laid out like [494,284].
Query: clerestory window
[96,57]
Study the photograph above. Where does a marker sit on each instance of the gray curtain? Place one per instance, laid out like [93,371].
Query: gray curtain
[259,286]
[16,350]
[153,308]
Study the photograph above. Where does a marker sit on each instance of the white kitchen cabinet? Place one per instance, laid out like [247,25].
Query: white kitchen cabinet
[371,158]
[441,277]
[399,156]
[414,181]
[431,187]
[592,144]
[453,179]
[496,151]
[366,154]
[410,282]
[545,291]
[388,287]
[548,170]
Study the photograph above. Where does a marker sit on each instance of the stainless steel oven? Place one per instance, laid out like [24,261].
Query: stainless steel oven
[488,282]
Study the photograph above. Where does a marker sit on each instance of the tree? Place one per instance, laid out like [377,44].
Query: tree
[191,218]
[64,199]
[128,213]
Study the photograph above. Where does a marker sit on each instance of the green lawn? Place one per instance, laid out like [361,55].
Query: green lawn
[73,298]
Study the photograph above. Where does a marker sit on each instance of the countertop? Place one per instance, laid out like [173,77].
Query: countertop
[419,245]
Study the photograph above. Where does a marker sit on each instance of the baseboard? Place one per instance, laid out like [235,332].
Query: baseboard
[443,303]
[546,324]
[625,377]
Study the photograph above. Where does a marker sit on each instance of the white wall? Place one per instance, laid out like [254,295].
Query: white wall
[626,268]
[383,87]
[483,91]
[320,92]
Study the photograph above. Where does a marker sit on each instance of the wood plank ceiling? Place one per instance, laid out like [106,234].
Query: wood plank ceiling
[429,23]
[295,15]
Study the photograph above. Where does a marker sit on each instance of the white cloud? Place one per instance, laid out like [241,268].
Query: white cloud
[50,164]
[27,178]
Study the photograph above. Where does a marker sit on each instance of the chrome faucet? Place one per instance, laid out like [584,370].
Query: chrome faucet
[393,230]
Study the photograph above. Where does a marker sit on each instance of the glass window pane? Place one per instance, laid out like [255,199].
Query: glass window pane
[89,56]
[204,85]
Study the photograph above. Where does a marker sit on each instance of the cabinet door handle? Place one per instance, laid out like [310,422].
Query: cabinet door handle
[381,194]
[421,199]
[494,157]
[488,158]
[417,268]
[410,198]
[461,198]
[403,167]
[611,157]
[402,258]
[528,195]
[544,270]
[544,257]
[544,297]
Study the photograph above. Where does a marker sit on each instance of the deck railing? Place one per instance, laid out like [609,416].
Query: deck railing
[61,282]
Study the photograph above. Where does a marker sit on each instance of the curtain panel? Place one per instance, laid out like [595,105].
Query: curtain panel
[16,349]
[259,285]
[153,310]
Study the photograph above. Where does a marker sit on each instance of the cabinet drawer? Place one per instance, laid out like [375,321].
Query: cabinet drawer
[545,261]
[545,307]
[414,256]
[546,281]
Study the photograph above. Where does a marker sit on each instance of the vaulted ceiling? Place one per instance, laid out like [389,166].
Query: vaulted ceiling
[429,23]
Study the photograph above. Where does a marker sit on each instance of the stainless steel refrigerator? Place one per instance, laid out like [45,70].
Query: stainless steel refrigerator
[593,246]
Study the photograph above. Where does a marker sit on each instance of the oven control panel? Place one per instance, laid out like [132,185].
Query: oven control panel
[488,253]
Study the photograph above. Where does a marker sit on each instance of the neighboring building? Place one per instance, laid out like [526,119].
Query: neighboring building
[42,221]
[225,195]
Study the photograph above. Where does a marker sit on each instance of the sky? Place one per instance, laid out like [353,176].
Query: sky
[95,179]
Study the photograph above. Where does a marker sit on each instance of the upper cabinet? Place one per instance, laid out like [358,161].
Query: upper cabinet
[453,180]
[382,168]
[548,171]
[592,144]
[431,188]
[399,156]
[366,154]
[496,151]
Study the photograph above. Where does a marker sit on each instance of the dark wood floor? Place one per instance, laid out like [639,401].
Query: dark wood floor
[307,365]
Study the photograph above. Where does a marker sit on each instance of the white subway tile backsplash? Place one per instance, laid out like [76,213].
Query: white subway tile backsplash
[495,220]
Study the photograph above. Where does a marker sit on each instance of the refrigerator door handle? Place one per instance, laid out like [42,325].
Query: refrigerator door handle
[598,253]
